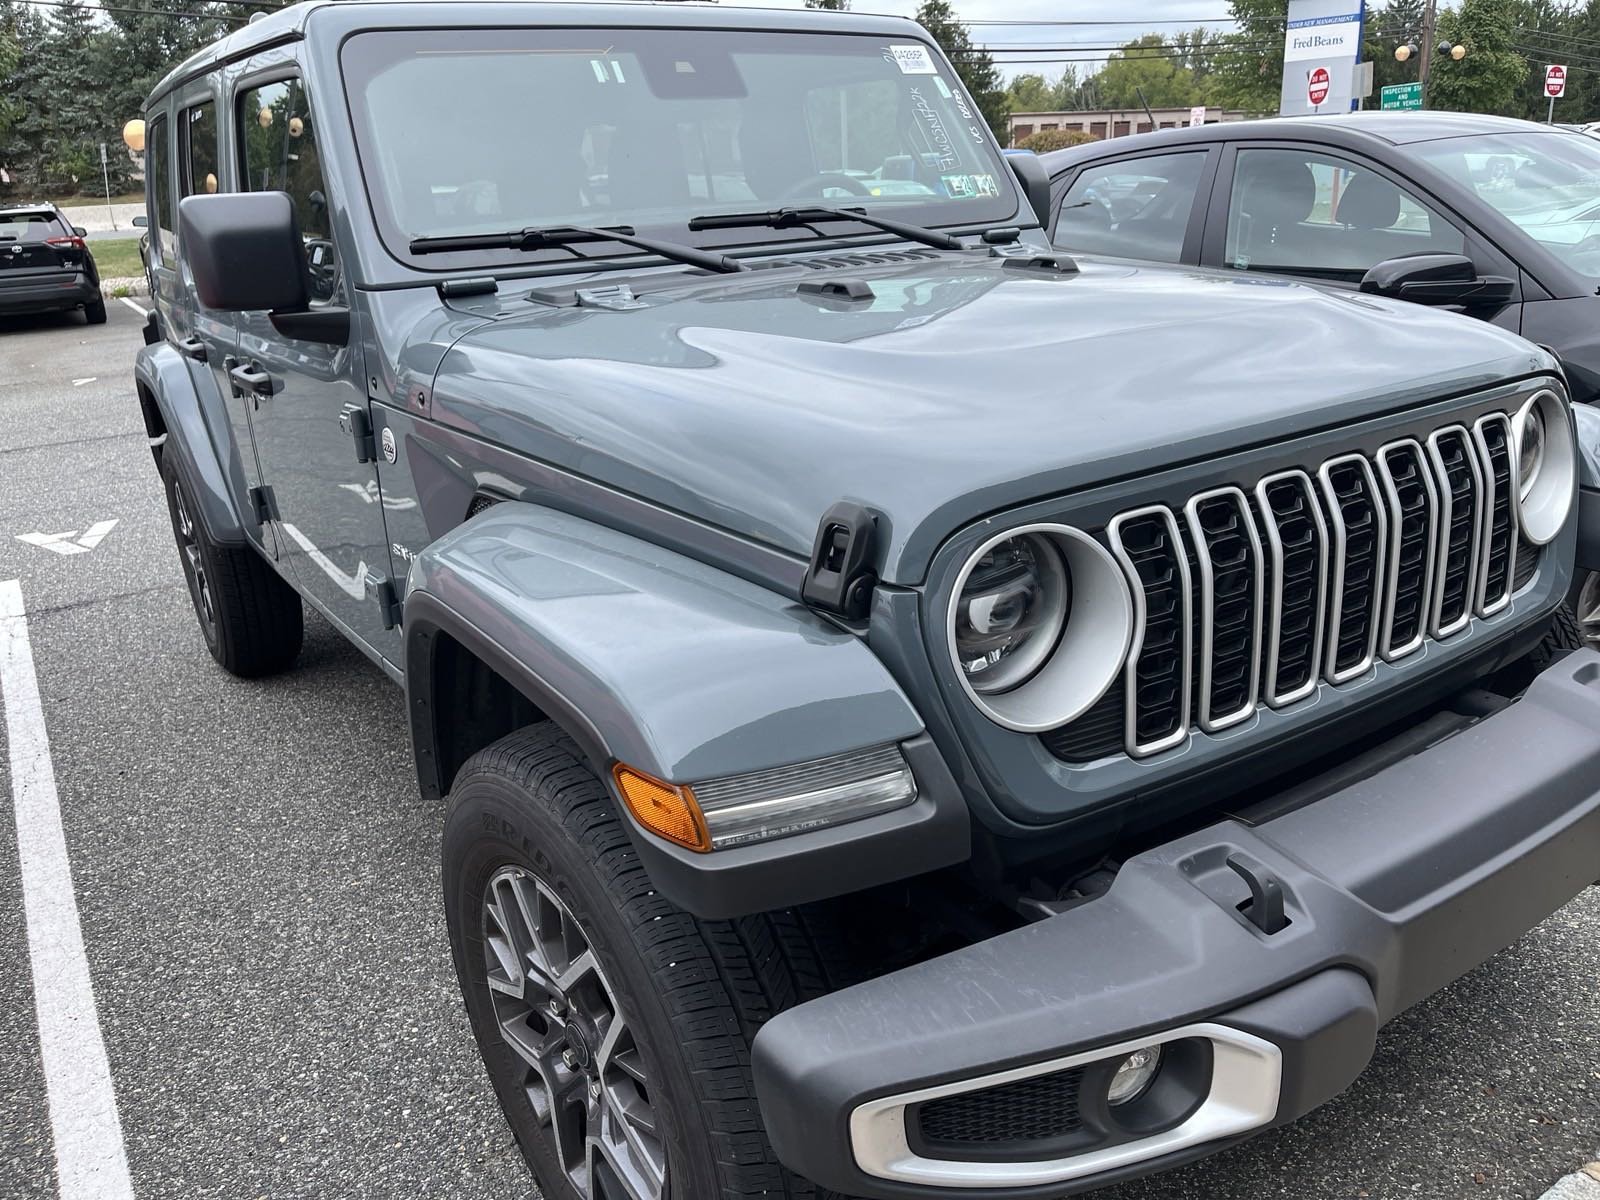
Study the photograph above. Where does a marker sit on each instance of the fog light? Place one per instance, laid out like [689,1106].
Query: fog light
[1134,1075]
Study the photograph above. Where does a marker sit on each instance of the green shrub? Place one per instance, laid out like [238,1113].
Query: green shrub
[1054,139]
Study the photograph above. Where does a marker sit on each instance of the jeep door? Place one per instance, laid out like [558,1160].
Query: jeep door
[325,503]
[183,156]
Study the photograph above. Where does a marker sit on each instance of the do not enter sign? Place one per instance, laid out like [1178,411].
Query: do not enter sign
[1317,86]
[1555,81]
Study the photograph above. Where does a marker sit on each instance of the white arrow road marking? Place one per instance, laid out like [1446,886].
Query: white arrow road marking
[69,542]
[369,492]
[91,1161]
[354,586]
[86,379]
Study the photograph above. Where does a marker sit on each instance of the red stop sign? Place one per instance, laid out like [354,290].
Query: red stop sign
[1317,85]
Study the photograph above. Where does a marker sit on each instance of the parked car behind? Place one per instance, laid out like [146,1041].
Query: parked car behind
[1493,217]
[45,265]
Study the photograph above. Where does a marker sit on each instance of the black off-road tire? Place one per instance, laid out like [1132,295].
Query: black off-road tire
[698,990]
[94,313]
[252,621]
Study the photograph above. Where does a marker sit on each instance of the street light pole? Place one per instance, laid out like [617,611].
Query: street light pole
[1430,17]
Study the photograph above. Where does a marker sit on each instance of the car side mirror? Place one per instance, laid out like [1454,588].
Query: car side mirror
[79,231]
[245,254]
[1446,279]
[1034,181]
[141,222]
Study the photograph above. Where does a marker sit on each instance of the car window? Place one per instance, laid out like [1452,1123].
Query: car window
[1135,208]
[1544,182]
[659,127]
[199,151]
[278,153]
[31,227]
[1301,212]
[158,165]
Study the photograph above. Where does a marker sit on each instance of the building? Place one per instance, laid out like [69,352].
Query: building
[1117,122]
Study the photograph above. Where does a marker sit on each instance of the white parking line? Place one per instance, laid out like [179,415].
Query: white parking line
[91,1162]
[138,308]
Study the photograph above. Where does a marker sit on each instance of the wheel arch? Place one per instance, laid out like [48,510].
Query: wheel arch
[176,422]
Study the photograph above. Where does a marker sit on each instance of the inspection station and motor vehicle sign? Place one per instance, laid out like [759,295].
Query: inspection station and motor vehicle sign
[1321,50]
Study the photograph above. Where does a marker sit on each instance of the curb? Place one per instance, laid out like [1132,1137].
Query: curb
[1581,1185]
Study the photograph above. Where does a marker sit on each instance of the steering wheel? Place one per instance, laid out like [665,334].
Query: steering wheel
[322,265]
[825,179]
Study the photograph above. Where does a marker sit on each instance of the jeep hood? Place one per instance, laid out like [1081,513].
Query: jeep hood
[961,388]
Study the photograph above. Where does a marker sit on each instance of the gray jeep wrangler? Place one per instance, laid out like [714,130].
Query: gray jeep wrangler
[914,715]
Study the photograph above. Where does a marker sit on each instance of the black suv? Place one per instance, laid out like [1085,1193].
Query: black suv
[45,265]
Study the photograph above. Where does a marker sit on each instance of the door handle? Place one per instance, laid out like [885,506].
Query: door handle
[193,347]
[251,379]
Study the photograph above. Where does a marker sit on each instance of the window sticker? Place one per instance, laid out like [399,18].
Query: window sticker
[616,70]
[938,137]
[599,69]
[912,59]
[944,90]
[958,187]
[985,185]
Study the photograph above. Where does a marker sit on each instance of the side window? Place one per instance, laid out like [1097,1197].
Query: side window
[199,149]
[1134,208]
[158,164]
[278,153]
[1301,212]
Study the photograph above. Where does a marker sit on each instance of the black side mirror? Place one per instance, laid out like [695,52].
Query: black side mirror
[141,221]
[80,231]
[1447,279]
[1034,180]
[245,254]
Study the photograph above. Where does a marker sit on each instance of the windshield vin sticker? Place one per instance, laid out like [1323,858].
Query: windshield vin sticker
[912,59]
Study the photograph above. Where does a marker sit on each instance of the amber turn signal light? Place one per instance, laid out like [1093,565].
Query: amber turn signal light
[664,809]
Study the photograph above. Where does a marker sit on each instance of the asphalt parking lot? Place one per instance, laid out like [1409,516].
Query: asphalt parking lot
[256,883]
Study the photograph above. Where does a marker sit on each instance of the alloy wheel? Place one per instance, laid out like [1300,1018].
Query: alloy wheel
[557,1012]
[193,562]
[1588,607]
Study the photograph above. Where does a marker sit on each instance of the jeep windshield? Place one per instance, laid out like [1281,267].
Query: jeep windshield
[479,131]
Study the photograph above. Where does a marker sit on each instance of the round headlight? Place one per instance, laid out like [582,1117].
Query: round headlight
[1039,626]
[1530,451]
[1010,612]
[1547,466]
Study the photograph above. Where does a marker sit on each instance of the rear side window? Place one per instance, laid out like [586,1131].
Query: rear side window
[30,227]
[200,150]
[1135,208]
[159,168]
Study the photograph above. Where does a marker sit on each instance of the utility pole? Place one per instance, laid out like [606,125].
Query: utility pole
[1430,16]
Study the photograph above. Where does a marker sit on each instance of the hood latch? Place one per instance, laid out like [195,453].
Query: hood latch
[841,577]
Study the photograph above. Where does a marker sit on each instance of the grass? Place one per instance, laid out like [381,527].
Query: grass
[118,258]
[81,201]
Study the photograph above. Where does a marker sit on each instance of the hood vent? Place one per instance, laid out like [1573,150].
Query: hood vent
[835,262]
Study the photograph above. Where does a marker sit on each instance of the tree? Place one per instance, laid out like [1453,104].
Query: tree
[1491,77]
[976,67]
[1147,65]
[831,5]
[1247,65]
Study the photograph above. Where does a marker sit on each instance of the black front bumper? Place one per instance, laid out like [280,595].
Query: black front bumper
[1393,886]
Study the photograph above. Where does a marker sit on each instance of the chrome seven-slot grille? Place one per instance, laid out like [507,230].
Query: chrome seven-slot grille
[1245,597]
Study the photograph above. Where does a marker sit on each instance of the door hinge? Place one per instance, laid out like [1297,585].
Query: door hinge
[263,504]
[391,605]
[841,576]
[358,425]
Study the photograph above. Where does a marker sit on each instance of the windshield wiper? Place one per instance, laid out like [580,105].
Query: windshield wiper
[564,236]
[789,218]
